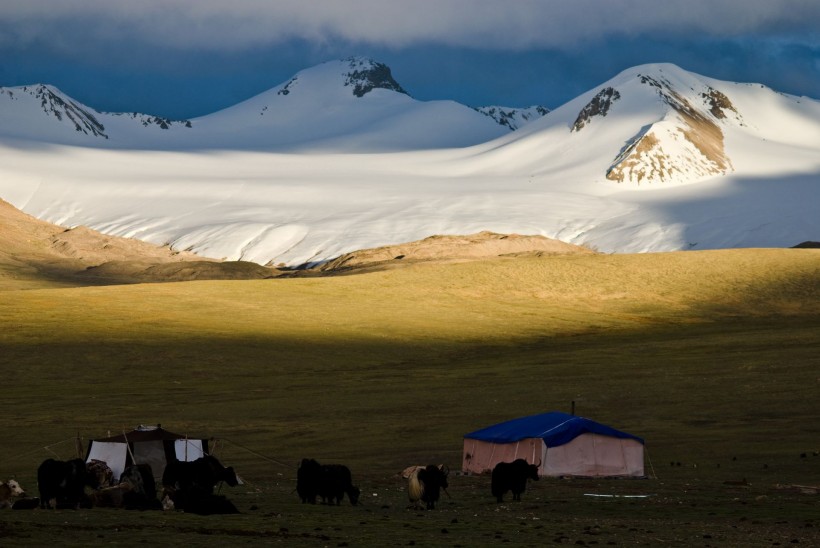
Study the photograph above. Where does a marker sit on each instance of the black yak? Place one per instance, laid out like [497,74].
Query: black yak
[512,476]
[329,481]
[190,486]
[62,483]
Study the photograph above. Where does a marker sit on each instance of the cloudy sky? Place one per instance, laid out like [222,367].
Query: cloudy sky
[185,58]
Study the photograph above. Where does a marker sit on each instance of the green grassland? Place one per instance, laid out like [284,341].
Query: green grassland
[713,357]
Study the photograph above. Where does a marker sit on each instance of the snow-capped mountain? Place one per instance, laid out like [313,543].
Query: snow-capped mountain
[660,125]
[321,108]
[44,113]
[686,142]
[353,105]
[655,159]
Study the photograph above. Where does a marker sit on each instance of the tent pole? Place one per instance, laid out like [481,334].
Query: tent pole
[128,446]
[544,454]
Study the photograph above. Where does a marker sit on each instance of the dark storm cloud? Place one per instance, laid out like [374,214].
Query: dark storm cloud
[486,24]
[187,58]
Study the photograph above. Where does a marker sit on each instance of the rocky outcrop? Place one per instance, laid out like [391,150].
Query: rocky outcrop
[598,106]
[365,75]
[513,118]
[718,103]
[286,88]
[147,120]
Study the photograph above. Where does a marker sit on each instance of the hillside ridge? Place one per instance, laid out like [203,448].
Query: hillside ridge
[34,251]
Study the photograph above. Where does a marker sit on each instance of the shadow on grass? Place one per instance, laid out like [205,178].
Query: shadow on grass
[723,387]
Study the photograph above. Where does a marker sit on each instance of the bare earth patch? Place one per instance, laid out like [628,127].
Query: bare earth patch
[471,247]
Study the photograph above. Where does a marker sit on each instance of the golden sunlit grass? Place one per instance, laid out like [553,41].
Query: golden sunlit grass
[486,300]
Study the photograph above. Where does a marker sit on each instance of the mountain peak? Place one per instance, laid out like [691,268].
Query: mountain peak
[682,135]
[54,103]
[360,73]
[365,75]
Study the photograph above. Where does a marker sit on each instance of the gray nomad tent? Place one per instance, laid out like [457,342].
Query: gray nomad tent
[563,444]
[145,445]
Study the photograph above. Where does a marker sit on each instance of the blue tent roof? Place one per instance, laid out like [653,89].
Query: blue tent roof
[554,428]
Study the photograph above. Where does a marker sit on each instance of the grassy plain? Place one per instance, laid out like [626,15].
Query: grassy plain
[713,357]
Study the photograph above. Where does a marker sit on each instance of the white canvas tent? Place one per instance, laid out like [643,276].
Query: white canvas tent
[563,444]
[150,445]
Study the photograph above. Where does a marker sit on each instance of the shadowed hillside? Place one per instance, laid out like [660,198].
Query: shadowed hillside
[34,253]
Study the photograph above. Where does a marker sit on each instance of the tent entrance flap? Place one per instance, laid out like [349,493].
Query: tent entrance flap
[153,454]
[113,454]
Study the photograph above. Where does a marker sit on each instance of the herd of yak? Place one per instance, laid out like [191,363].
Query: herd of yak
[189,486]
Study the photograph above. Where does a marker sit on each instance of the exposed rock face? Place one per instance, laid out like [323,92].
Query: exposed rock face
[286,88]
[513,118]
[670,149]
[148,120]
[363,75]
[718,103]
[54,105]
[688,142]
[83,119]
[598,106]
[366,75]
